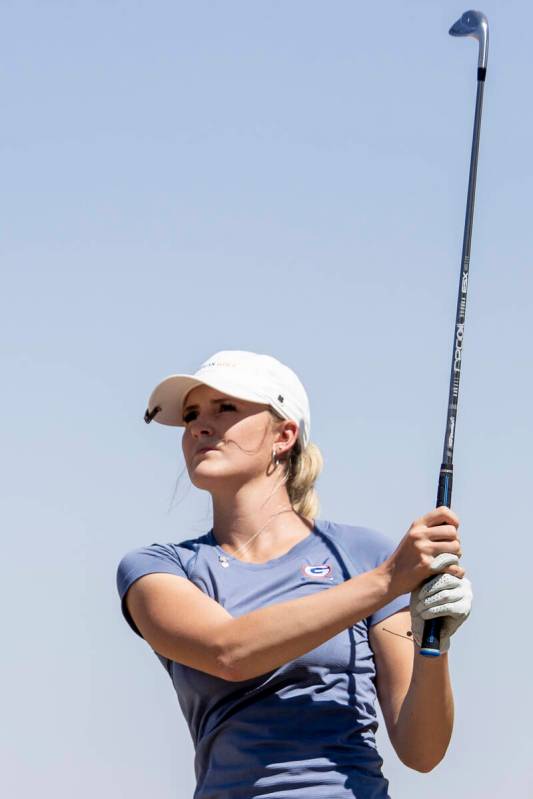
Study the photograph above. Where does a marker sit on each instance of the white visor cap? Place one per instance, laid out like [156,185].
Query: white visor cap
[243,375]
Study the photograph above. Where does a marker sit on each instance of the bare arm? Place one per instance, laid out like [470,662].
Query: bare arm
[269,637]
[414,693]
[183,624]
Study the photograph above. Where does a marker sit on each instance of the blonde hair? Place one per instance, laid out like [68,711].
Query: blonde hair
[302,468]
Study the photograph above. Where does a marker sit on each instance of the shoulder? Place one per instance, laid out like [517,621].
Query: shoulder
[158,557]
[366,546]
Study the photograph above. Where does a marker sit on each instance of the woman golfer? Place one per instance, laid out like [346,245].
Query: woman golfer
[279,629]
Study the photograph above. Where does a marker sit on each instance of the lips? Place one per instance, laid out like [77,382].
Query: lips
[204,449]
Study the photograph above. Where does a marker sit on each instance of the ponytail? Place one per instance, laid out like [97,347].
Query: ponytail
[303,469]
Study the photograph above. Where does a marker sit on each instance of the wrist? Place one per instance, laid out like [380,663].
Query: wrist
[384,576]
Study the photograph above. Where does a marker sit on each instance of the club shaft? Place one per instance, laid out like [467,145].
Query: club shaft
[455,371]
[432,628]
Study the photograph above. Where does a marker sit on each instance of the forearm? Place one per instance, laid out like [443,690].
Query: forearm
[424,725]
[269,637]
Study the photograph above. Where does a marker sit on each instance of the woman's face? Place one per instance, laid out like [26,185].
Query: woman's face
[239,432]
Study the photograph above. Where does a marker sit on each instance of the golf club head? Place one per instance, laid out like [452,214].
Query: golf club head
[474,23]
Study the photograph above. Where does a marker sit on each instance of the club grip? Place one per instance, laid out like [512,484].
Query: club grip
[431,636]
[444,493]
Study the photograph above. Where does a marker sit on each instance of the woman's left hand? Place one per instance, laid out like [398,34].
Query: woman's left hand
[444,595]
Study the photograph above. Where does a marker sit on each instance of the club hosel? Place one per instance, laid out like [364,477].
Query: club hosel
[444,492]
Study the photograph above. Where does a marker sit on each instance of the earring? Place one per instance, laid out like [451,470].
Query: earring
[275,459]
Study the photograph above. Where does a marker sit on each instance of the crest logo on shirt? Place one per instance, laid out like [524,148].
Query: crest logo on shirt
[317,571]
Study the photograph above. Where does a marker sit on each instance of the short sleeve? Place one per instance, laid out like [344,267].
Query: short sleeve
[400,603]
[145,560]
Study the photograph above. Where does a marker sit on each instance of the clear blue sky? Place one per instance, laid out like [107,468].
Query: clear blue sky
[289,178]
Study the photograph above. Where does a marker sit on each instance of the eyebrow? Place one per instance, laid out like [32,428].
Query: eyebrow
[211,402]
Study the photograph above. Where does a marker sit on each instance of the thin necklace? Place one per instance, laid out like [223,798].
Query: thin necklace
[223,559]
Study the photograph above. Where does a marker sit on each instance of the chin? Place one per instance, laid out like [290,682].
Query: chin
[205,475]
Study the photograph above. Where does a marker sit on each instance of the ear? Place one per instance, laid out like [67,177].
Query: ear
[286,435]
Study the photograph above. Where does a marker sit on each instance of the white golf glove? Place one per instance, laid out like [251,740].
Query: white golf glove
[444,595]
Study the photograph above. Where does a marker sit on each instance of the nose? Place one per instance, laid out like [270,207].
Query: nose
[200,427]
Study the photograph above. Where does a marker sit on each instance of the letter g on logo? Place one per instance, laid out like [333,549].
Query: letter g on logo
[317,571]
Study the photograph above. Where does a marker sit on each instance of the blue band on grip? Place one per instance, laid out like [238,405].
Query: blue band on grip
[430,653]
[430,646]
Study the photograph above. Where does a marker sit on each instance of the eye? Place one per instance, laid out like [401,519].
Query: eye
[227,406]
[224,406]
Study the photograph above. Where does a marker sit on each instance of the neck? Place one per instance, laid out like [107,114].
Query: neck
[250,509]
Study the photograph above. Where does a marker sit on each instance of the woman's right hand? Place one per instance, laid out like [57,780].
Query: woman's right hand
[433,534]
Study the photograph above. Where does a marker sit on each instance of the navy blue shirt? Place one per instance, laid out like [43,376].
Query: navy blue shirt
[305,730]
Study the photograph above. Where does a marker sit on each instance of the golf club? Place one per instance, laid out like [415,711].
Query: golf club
[472,23]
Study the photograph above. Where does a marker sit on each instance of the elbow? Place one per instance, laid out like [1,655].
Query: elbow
[230,673]
[235,670]
[224,657]
[422,768]
[228,667]
[417,759]
[238,662]
[235,662]
[421,764]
